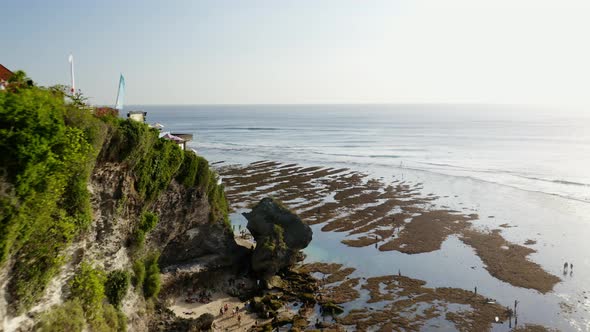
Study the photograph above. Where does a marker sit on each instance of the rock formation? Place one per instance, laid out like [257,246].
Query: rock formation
[279,234]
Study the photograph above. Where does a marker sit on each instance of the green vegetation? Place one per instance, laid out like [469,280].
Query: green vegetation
[138,274]
[147,275]
[195,171]
[273,243]
[217,201]
[151,285]
[88,288]
[116,287]
[187,174]
[147,222]
[48,152]
[153,161]
[280,232]
[66,317]
[49,149]
[70,317]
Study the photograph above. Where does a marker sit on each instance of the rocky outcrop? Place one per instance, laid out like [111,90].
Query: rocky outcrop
[165,320]
[212,240]
[279,234]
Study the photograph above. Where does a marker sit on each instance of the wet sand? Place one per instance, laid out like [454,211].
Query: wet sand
[224,322]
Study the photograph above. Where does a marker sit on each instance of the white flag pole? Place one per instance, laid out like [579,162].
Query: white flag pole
[71,60]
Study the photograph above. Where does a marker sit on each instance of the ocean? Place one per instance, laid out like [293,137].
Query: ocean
[524,166]
[533,150]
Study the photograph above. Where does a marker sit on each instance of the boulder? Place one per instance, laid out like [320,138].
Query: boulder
[280,235]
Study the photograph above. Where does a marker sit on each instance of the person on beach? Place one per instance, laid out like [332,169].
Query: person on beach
[475,290]
[221,311]
[239,320]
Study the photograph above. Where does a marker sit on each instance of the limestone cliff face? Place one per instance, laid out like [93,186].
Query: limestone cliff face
[183,234]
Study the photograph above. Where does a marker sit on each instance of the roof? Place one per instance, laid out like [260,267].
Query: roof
[5,74]
[186,137]
[172,138]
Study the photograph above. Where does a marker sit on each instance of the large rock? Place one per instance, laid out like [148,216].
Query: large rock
[279,235]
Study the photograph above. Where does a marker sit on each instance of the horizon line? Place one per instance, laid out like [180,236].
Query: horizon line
[359,104]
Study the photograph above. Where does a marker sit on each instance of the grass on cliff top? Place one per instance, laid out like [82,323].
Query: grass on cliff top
[49,149]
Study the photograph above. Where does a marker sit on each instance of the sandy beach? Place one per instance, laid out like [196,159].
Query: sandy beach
[226,322]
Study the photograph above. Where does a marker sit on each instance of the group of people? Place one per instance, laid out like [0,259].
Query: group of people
[236,311]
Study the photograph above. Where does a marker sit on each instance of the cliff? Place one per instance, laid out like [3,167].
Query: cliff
[91,209]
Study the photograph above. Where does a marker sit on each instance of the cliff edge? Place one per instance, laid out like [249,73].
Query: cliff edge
[91,209]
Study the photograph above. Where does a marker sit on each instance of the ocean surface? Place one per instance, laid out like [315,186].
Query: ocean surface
[538,150]
[526,167]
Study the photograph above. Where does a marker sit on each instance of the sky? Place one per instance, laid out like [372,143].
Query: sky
[306,51]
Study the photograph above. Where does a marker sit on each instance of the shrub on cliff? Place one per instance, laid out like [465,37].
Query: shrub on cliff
[151,284]
[88,288]
[154,161]
[187,174]
[66,317]
[147,222]
[195,172]
[116,287]
[147,275]
[138,274]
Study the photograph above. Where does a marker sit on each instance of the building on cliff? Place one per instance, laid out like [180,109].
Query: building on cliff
[185,138]
[138,116]
[178,138]
[5,75]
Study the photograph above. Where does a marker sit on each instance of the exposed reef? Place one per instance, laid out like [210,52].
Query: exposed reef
[374,213]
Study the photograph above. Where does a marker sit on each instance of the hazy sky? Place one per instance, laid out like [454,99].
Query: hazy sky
[275,51]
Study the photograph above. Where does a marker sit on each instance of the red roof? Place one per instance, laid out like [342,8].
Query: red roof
[5,74]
